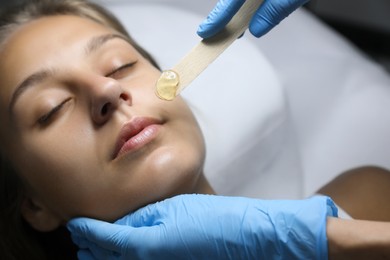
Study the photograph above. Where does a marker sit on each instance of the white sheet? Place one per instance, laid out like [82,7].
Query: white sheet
[310,107]
[339,99]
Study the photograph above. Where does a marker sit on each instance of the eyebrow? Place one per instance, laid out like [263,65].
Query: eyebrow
[37,77]
[96,42]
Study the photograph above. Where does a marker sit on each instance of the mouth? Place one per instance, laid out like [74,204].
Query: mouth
[136,134]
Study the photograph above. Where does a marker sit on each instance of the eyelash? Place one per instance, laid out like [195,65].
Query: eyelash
[125,66]
[48,116]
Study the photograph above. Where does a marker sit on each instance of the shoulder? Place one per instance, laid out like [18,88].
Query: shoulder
[362,192]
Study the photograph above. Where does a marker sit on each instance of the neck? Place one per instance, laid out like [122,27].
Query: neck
[203,186]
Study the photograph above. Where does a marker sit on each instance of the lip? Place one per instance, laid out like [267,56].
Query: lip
[136,134]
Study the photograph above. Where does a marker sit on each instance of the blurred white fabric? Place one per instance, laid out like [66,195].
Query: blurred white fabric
[282,115]
[339,99]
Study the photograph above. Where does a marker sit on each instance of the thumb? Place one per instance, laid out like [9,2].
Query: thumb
[106,235]
[147,216]
[265,18]
[271,13]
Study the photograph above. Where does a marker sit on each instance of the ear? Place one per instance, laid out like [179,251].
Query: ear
[38,215]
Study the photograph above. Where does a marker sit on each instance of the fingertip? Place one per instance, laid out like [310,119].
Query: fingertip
[257,31]
[79,224]
[205,30]
[145,216]
[72,224]
[219,17]
[259,28]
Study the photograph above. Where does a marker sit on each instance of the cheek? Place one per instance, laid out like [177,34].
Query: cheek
[61,170]
[174,167]
[173,171]
[183,151]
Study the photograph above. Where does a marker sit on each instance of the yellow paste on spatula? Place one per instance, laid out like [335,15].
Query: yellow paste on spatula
[167,85]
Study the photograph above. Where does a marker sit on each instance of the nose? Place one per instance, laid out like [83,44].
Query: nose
[106,95]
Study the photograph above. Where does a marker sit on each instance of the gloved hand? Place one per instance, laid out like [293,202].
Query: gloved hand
[269,14]
[210,227]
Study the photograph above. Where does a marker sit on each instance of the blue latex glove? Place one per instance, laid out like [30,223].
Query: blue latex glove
[269,14]
[210,227]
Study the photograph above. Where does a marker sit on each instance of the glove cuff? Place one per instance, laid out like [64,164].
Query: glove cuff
[300,227]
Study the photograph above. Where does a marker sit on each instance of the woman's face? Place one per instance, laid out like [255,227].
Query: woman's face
[85,129]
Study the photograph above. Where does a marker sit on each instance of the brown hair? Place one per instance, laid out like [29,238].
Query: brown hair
[17,239]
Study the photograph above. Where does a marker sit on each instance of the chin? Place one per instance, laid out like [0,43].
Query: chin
[178,172]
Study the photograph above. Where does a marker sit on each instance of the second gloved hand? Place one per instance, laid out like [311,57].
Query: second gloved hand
[269,14]
[210,227]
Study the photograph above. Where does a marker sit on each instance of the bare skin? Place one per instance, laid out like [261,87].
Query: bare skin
[84,128]
[358,239]
[363,193]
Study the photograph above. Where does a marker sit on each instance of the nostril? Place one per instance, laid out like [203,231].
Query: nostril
[124,96]
[105,109]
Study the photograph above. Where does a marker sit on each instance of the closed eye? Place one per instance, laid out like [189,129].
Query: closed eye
[121,71]
[46,118]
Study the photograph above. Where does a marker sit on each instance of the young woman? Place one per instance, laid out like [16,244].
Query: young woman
[82,132]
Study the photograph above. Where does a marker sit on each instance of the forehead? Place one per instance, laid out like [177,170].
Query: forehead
[40,43]
[33,42]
